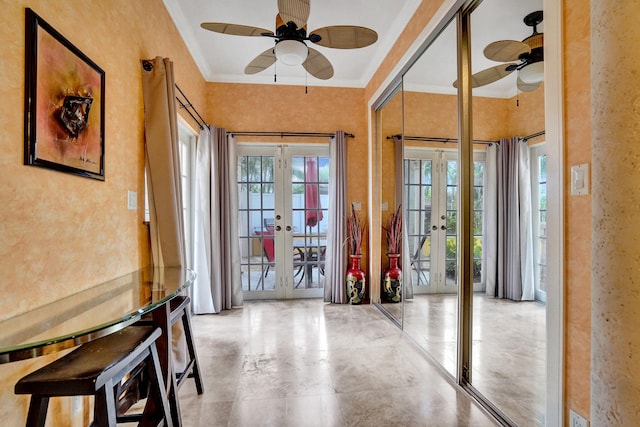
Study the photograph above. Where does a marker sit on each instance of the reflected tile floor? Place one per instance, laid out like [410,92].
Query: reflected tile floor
[509,348]
[307,363]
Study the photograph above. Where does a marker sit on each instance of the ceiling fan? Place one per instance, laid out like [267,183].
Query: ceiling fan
[290,38]
[529,52]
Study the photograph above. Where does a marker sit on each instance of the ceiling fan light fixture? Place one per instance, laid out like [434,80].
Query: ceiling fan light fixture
[532,73]
[291,52]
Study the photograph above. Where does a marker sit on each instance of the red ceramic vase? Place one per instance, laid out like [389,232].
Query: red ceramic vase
[355,281]
[392,282]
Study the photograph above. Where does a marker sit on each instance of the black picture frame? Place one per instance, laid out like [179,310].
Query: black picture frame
[64,103]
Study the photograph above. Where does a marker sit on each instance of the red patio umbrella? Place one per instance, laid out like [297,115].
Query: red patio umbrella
[313,209]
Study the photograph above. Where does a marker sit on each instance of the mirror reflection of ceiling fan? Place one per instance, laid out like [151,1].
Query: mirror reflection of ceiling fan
[529,52]
[290,37]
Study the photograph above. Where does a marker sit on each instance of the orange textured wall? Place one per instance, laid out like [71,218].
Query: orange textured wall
[60,233]
[577,111]
[526,112]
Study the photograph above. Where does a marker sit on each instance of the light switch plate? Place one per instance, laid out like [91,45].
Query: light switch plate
[577,420]
[357,205]
[580,179]
[132,200]
[385,206]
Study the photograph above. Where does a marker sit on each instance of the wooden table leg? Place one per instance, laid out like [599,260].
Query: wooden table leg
[161,319]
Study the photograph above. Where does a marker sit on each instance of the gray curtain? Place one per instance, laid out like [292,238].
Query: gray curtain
[217,251]
[336,264]
[508,254]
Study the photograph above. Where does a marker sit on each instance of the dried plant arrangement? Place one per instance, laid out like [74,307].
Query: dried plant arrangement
[394,231]
[356,230]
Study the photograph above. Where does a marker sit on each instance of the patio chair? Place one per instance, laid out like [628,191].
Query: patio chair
[269,252]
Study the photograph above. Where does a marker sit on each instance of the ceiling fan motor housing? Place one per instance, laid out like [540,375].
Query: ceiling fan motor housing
[290,31]
[536,43]
[532,69]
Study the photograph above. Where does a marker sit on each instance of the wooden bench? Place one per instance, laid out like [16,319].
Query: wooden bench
[97,368]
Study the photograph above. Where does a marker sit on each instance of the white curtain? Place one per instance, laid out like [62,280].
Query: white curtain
[216,247]
[490,226]
[336,265]
[508,231]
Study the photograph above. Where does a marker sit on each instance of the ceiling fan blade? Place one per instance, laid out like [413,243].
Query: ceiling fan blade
[527,87]
[345,36]
[261,62]
[489,75]
[295,10]
[506,50]
[318,65]
[235,29]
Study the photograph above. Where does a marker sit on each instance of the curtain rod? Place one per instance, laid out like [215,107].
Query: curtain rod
[533,135]
[186,104]
[437,139]
[289,134]
[446,140]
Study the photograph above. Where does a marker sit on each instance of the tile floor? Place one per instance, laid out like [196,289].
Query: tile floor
[307,363]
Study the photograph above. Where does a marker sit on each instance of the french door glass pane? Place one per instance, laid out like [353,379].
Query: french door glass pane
[478,211]
[309,202]
[256,219]
[419,190]
[542,223]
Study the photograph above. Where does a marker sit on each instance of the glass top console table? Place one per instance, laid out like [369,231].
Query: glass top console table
[91,313]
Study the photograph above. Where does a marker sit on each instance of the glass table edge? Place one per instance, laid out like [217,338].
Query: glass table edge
[62,342]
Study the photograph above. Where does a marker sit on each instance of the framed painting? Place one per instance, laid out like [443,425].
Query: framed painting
[64,103]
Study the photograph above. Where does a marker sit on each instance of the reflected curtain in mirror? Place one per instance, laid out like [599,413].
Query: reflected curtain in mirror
[508,255]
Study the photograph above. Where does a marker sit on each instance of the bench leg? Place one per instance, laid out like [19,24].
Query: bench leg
[37,410]
[161,319]
[157,385]
[104,408]
[191,348]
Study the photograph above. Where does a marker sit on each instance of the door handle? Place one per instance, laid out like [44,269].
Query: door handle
[443,227]
[278,228]
[434,227]
[288,228]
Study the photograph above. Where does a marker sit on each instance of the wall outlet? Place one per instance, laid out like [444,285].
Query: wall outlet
[385,206]
[357,205]
[132,200]
[577,420]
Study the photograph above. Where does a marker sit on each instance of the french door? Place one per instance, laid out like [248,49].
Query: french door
[282,200]
[431,187]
